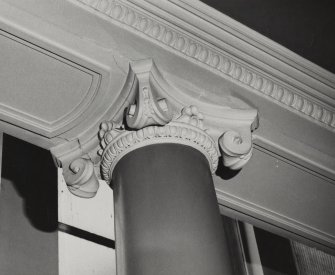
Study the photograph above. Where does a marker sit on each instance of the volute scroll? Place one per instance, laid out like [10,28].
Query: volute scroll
[81,179]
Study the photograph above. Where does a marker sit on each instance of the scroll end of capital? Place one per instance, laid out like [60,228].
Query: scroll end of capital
[81,179]
[236,147]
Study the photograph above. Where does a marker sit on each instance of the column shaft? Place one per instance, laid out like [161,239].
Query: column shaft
[166,214]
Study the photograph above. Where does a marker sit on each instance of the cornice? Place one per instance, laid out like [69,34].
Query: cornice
[216,59]
[237,34]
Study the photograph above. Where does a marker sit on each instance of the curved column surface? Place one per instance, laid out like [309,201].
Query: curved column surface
[166,214]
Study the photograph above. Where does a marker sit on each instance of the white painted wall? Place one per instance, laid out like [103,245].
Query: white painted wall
[81,257]
[94,215]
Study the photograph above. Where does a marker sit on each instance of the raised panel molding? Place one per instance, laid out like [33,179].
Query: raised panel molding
[59,90]
[231,67]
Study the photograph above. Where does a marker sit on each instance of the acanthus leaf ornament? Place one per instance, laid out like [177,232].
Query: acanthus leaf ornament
[148,108]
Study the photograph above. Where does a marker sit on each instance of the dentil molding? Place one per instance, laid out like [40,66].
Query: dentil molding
[189,46]
[151,115]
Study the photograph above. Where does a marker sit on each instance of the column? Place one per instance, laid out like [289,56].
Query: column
[159,157]
[166,214]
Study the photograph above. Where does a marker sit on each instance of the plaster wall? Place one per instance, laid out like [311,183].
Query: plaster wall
[28,210]
[24,249]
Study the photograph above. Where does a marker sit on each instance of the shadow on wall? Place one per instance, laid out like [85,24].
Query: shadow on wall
[224,172]
[34,176]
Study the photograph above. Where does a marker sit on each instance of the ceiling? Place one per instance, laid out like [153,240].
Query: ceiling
[306,27]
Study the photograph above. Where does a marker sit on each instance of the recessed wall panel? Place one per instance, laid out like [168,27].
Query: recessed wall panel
[40,90]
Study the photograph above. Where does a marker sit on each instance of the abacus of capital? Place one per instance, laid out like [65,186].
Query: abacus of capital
[159,155]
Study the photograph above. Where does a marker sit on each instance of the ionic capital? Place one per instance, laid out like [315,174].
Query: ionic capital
[187,128]
[152,111]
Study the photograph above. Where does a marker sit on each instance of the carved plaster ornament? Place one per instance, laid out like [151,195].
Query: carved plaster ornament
[148,108]
[81,179]
[187,129]
[151,118]
[236,147]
